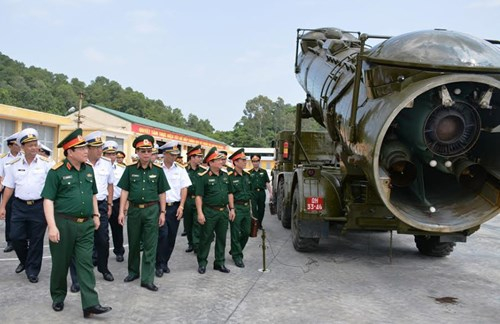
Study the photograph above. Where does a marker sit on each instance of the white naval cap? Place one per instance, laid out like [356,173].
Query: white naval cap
[110,147]
[94,139]
[12,139]
[171,147]
[27,135]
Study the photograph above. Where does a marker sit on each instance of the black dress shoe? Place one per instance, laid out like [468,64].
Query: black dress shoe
[184,233]
[108,276]
[221,268]
[58,306]
[8,248]
[75,287]
[202,270]
[131,277]
[166,269]
[20,268]
[159,272]
[239,263]
[33,278]
[189,249]
[94,310]
[150,286]
[119,258]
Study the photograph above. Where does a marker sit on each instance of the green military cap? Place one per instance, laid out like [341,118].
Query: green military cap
[223,153]
[74,139]
[146,141]
[239,154]
[255,157]
[212,155]
[195,151]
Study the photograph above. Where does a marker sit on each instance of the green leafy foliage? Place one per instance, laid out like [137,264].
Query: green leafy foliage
[38,89]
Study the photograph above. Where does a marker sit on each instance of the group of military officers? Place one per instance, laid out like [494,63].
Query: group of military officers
[92,183]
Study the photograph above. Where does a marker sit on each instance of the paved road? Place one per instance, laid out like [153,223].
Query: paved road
[350,279]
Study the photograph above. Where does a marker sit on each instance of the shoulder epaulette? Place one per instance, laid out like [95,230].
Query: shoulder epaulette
[230,173]
[246,171]
[57,165]
[133,163]
[225,171]
[180,165]
[203,173]
[2,155]
[106,158]
[88,163]
[43,158]
[13,161]
[156,164]
[122,165]
[203,167]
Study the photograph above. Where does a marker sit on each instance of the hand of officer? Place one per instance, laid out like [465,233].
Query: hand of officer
[121,219]
[232,215]
[110,210]
[180,212]
[2,213]
[201,219]
[54,234]
[97,222]
[161,219]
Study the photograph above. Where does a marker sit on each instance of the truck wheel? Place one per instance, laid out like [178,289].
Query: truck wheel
[430,245]
[300,244]
[284,213]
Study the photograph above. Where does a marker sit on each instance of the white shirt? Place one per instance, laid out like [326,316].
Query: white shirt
[104,175]
[178,178]
[118,172]
[6,159]
[27,179]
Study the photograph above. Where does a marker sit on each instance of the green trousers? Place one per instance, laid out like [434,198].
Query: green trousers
[191,225]
[215,224]
[76,239]
[259,205]
[142,225]
[240,231]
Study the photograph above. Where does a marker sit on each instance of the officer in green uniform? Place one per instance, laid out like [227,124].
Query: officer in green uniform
[144,185]
[260,181]
[72,215]
[213,198]
[226,167]
[191,225]
[241,186]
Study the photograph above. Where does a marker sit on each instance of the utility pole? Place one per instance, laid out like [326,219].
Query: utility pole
[79,116]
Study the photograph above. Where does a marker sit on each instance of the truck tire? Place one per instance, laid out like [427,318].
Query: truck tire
[430,246]
[301,244]
[284,211]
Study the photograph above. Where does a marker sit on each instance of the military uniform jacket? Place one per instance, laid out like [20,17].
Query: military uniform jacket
[259,178]
[240,185]
[27,179]
[71,190]
[143,185]
[104,175]
[193,175]
[213,188]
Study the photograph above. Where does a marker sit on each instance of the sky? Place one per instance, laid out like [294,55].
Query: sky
[208,58]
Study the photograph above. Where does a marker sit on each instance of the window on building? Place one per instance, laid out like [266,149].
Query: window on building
[45,134]
[7,128]
[118,141]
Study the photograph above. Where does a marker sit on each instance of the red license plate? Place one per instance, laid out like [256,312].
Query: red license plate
[314,203]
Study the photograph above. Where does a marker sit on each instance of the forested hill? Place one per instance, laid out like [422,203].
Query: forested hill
[38,89]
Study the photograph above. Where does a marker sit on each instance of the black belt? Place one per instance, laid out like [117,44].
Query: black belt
[217,208]
[74,219]
[241,202]
[29,202]
[170,204]
[145,205]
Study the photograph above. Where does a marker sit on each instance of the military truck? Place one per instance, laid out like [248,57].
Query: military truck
[411,140]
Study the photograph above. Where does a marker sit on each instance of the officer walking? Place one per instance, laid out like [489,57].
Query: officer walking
[72,215]
[120,157]
[179,181]
[191,225]
[144,185]
[241,186]
[213,198]
[26,175]
[14,152]
[260,181]
[104,178]
[109,150]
